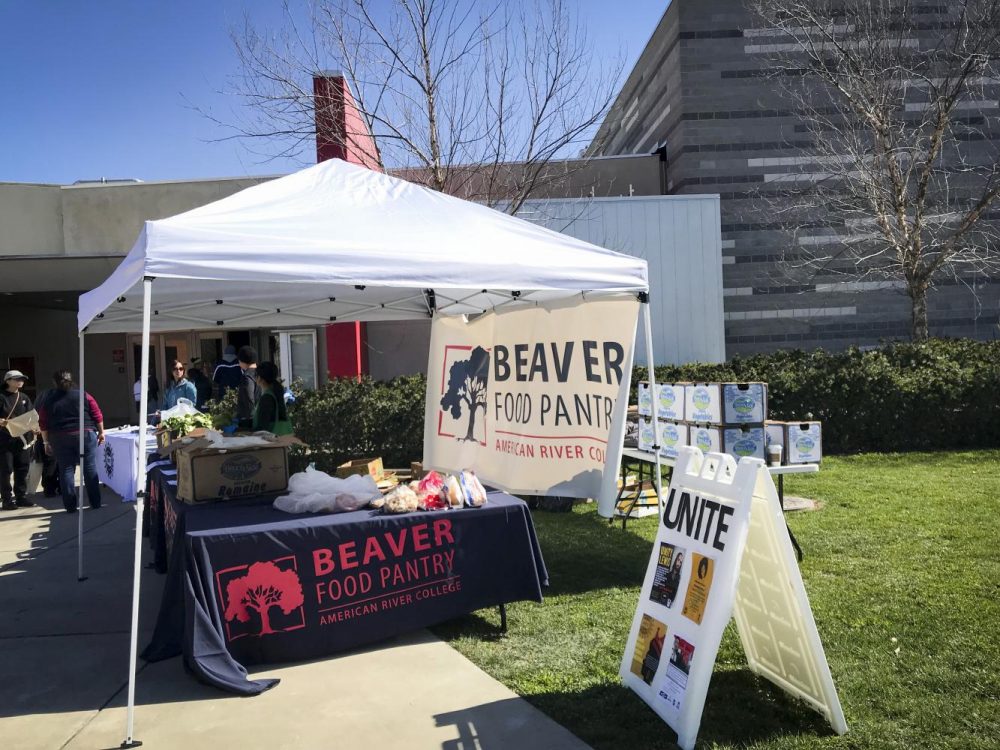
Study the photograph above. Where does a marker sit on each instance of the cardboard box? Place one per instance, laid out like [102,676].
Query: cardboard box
[803,443]
[706,438]
[645,399]
[703,403]
[672,436]
[646,435]
[744,403]
[743,441]
[167,438]
[670,401]
[370,466]
[205,473]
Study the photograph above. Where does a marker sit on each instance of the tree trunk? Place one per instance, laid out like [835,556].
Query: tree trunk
[471,432]
[265,620]
[918,326]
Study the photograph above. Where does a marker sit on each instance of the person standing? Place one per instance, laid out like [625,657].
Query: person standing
[180,387]
[228,374]
[202,386]
[271,413]
[15,458]
[249,391]
[59,419]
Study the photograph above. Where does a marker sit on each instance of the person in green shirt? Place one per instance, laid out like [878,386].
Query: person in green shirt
[270,413]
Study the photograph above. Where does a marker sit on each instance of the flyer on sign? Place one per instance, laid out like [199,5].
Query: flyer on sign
[699,585]
[526,397]
[648,648]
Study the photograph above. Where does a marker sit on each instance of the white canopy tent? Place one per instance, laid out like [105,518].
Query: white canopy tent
[337,242]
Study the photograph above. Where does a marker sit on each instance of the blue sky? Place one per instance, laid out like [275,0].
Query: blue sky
[106,88]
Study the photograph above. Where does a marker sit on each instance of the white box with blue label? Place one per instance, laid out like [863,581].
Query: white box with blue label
[801,442]
[804,443]
[647,435]
[743,441]
[645,399]
[744,403]
[706,438]
[703,403]
[673,435]
[670,401]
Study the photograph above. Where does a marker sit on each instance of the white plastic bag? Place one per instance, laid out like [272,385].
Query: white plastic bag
[313,491]
[182,409]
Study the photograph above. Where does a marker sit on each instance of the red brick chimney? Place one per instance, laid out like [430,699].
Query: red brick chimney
[342,133]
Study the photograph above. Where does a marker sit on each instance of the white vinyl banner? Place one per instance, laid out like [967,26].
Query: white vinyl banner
[707,553]
[527,397]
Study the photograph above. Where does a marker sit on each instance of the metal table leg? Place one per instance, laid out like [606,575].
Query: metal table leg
[781,501]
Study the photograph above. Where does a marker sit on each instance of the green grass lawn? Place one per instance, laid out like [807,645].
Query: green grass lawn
[902,568]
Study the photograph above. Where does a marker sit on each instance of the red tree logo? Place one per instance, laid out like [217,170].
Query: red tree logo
[264,586]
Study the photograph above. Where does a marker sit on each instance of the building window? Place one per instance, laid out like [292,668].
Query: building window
[297,357]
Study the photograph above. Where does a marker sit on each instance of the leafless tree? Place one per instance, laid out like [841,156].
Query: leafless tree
[902,110]
[475,99]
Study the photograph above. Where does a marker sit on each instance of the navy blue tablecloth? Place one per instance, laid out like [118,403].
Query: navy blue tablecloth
[248,584]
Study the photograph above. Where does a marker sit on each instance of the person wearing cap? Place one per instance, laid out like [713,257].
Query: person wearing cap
[15,458]
[228,373]
[59,419]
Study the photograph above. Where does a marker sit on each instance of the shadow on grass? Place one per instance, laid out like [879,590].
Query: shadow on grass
[741,709]
[584,553]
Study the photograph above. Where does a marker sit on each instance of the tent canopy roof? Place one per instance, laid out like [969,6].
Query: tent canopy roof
[341,242]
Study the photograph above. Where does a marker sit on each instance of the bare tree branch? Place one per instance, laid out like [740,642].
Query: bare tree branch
[903,115]
[478,99]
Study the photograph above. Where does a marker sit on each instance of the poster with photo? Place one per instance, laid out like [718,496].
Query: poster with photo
[675,680]
[648,648]
[699,586]
[667,578]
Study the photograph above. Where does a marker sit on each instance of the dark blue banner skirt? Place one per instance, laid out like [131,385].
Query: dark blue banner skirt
[247,584]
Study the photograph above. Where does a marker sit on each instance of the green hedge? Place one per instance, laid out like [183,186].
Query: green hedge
[936,394]
[347,419]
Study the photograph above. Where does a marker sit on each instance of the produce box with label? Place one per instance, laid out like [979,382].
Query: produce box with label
[214,468]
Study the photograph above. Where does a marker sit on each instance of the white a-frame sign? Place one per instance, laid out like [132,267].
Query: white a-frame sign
[722,550]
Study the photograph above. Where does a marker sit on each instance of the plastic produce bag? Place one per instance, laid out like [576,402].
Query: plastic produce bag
[313,491]
[182,409]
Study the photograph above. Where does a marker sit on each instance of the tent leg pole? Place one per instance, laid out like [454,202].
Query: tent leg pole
[140,495]
[651,367]
[80,483]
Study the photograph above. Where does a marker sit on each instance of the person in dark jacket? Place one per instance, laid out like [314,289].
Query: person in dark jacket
[227,375]
[202,386]
[59,419]
[249,392]
[271,404]
[15,458]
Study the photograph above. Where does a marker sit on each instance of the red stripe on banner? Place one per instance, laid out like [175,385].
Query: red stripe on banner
[554,437]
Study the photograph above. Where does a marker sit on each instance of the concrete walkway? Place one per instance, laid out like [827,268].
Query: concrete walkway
[64,667]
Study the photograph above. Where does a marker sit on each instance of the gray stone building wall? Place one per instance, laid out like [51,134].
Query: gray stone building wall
[698,96]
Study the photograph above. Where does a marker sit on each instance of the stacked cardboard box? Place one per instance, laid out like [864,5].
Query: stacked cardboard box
[801,442]
[714,417]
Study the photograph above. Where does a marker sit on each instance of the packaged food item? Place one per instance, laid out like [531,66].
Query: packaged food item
[464,488]
[452,492]
[431,483]
[400,500]
[474,494]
